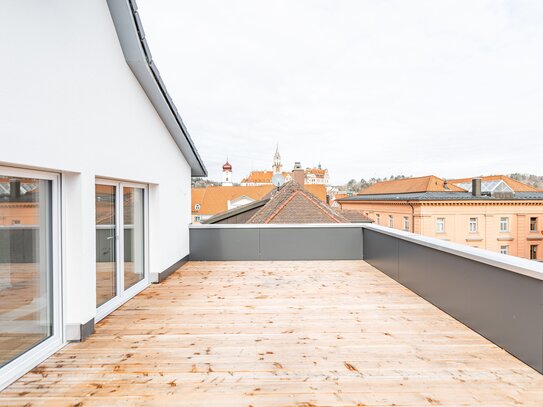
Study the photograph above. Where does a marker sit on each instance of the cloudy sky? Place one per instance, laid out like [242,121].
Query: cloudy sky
[369,88]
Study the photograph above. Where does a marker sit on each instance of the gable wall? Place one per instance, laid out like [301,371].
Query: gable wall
[70,104]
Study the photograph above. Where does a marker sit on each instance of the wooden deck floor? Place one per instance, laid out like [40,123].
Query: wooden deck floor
[336,333]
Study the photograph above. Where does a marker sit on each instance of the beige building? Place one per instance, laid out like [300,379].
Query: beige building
[497,214]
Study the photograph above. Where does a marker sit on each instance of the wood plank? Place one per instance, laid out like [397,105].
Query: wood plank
[322,333]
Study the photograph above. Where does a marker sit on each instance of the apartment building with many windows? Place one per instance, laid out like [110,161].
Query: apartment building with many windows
[494,213]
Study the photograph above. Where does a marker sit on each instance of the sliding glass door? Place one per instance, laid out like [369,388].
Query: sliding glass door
[134,242]
[120,243]
[29,272]
[106,243]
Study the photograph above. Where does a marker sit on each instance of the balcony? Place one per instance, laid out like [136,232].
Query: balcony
[372,317]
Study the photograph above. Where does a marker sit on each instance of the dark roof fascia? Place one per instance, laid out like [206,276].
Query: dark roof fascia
[441,196]
[236,211]
[138,57]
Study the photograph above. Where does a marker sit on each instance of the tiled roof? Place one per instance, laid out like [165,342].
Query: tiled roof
[515,185]
[318,190]
[429,183]
[261,177]
[294,204]
[442,196]
[354,216]
[339,196]
[236,211]
[197,196]
[215,199]
[318,172]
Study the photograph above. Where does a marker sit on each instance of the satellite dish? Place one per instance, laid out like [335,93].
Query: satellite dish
[278,180]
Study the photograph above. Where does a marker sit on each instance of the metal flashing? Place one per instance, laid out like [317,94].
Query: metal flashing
[137,54]
[441,196]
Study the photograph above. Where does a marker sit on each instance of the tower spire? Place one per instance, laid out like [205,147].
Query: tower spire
[277,166]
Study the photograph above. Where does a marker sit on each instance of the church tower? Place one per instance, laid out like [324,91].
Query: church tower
[227,174]
[277,166]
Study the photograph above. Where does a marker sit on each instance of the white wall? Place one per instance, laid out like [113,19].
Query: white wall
[69,103]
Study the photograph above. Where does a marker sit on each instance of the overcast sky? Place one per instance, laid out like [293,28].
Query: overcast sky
[367,88]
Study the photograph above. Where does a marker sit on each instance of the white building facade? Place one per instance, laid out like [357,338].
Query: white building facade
[95,170]
[227,175]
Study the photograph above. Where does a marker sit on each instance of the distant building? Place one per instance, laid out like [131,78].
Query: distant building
[210,201]
[257,178]
[315,176]
[277,166]
[227,174]
[495,213]
[335,194]
[292,203]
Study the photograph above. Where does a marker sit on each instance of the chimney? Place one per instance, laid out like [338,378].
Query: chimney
[298,173]
[14,189]
[476,187]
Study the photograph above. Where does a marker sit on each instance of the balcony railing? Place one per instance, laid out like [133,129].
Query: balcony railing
[498,296]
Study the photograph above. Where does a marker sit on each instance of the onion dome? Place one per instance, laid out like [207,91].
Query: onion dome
[227,166]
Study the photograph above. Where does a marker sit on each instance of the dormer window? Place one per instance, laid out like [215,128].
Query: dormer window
[197,207]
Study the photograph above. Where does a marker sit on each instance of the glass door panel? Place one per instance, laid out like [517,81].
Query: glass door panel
[133,208]
[26,265]
[106,243]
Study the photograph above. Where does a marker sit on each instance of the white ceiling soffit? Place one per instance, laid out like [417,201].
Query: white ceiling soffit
[138,57]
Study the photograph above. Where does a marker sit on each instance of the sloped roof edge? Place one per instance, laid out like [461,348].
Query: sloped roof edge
[441,196]
[236,211]
[125,16]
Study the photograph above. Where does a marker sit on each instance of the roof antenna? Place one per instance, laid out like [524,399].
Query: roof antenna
[278,180]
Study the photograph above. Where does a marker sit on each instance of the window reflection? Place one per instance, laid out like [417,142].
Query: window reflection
[133,236]
[26,295]
[106,231]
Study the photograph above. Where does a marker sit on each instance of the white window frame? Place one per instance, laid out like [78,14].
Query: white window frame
[197,207]
[390,221]
[406,223]
[34,356]
[504,249]
[473,222]
[123,296]
[440,225]
[378,218]
[504,224]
